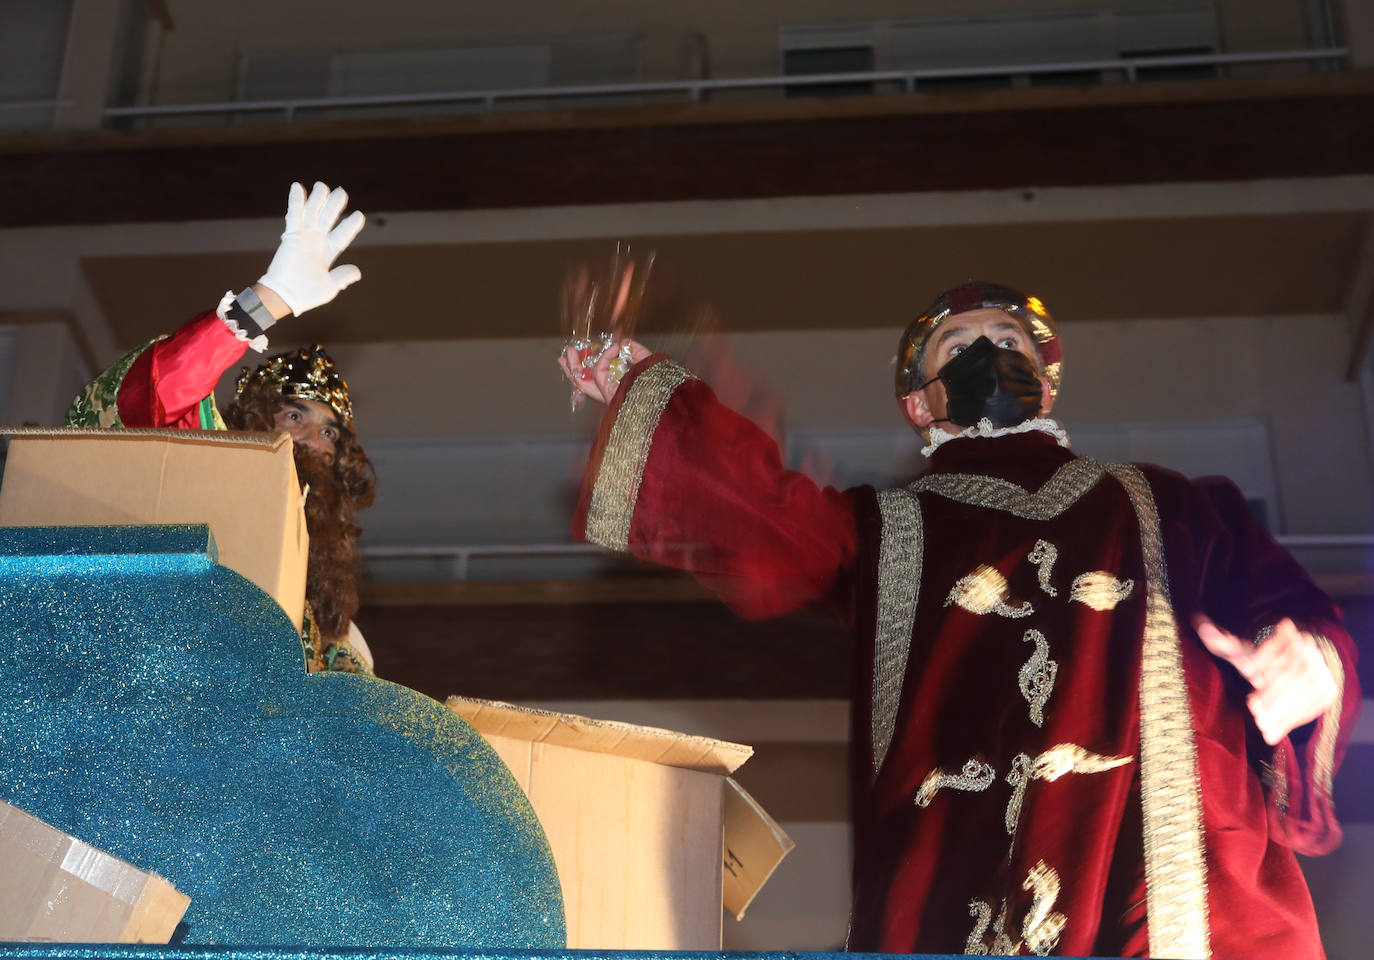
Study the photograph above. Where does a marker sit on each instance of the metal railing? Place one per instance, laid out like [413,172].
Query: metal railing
[35,104]
[461,556]
[1325,540]
[694,90]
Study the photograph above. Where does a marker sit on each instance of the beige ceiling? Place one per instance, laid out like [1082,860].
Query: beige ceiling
[854,278]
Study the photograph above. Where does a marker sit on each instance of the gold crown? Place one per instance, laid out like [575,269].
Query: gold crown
[307,373]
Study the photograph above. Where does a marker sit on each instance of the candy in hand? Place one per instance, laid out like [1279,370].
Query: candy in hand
[590,352]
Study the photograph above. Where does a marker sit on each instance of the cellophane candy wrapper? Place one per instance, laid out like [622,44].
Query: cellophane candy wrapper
[601,307]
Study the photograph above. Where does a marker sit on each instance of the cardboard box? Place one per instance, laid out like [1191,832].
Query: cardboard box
[242,484]
[649,832]
[54,887]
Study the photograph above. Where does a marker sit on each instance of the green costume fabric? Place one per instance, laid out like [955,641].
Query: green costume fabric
[97,405]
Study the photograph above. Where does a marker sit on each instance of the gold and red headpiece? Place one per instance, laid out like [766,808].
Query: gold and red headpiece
[1028,311]
[307,373]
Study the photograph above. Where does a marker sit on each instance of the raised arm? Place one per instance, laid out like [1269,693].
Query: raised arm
[677,478]
[168,382]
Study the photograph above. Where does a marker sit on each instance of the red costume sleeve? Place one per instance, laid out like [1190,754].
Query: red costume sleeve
[679,479]
[167,382]
[1247,583]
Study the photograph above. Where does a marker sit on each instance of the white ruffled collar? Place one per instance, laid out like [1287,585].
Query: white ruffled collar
[986,429]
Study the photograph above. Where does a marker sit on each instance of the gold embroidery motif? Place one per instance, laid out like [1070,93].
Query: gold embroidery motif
[1018,776]
[1056,495]
[1176,875]
[1175,870]
[1043,555]
[1100,590]
[981,913]
[984,591]
[899,587]
[616,490]
[1036,677]
[1071,758]
[975,777]
[1054,763]
[1002,945]
[1042,927]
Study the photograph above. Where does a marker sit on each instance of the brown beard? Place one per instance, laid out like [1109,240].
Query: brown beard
[331,579]
[336,494]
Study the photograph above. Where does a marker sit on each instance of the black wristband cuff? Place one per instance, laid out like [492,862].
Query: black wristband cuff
[245,321]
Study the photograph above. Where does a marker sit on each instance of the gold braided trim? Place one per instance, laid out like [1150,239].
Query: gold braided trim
[900,550]
[1175,868]
[1275,777]
[1324,754]
[627,450]
[1057,494]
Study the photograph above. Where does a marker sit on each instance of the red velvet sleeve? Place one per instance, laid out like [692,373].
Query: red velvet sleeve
[1246,582]
[166,384]
[677,478]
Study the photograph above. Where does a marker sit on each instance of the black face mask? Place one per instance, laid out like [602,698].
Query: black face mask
[989,382]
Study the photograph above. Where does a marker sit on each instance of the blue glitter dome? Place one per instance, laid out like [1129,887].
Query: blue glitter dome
[154,704]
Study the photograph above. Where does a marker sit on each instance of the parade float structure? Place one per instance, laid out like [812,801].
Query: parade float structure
[155,712]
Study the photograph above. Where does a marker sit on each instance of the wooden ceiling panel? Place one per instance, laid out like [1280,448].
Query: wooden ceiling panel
[1224,129]
[806,280]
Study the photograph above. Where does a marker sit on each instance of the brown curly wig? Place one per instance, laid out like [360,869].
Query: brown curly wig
[337,493]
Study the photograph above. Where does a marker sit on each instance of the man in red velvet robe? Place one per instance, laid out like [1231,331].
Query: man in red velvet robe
[1097,708]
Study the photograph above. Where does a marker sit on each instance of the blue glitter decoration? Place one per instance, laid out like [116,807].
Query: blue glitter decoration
[124,952]
[154,704]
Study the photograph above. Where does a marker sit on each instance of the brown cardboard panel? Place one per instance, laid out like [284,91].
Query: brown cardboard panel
[242,484]
[636,845]
[635,818]
[754,846]
[602,736]
[56,888]
[156,913]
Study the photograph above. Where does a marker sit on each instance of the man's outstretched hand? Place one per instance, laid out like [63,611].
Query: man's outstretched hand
[1292,683]
[597,382]
[300,272]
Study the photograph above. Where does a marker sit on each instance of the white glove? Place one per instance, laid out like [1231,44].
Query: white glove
[300,273]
